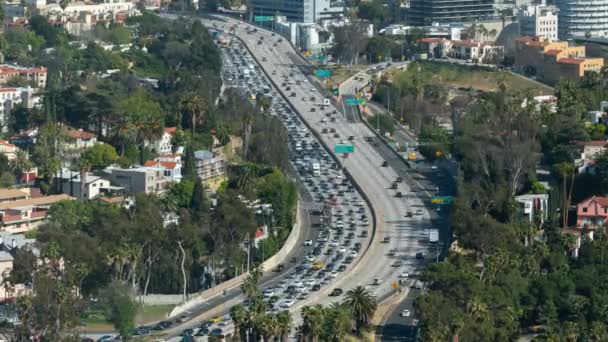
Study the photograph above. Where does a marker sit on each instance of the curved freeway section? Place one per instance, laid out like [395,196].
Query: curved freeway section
[398,239]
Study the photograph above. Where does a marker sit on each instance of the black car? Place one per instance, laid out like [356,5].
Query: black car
[336,292]
[204,331]
[187,332]
[384,163]
[316,287]
[342,268]
[419,256]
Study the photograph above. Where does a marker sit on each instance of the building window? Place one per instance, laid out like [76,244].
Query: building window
[584,210]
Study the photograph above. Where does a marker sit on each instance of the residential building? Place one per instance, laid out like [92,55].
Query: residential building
[163,144]
[209,166]
[579,18]
[551,61]
[171,170]
[10,97]
[592,212]
[10,195]
[426,12]
[76,7]
[298,11]
[533,206]
[8,149]
[538,21]
[71,184]
[142,179]
[26,214]
[9,244]
[76,142]
[36,75]
[463,49]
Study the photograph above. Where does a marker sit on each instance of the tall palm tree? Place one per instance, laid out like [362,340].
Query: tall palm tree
[124,132]
[20,165]
[565,170]
[250,285]
[196,106]
[263,103]
[284,325]
[84,167]
[237,313]
[312,327]
[247,123]
[362,305]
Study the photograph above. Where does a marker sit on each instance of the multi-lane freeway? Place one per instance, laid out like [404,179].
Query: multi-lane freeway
[398,238]
[378,259]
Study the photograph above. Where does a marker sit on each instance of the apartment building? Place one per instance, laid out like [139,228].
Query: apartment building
[21,215]
[300,11]
[538,21]
[142,179]
[171,170]
[551,61]
[11,97]
[463,49]
[578,18]
[210,166]
[37,75]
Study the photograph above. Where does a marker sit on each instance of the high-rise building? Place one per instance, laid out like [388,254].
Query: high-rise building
[579,18]
[538,21]
[302,11]
[426,12]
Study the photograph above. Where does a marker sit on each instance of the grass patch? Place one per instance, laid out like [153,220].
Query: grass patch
[152,313]
[473,77]
[95,319]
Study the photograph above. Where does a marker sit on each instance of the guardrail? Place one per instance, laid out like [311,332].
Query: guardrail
[270,263]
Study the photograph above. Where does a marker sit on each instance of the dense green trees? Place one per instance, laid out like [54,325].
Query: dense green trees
[337,321]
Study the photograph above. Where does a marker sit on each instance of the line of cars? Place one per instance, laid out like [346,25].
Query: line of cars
[344,227]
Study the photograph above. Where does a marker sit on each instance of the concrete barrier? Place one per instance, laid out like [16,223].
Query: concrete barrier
[270,263]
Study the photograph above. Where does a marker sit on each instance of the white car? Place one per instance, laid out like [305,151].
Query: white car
[406,313]
[308,242]
[310,258]
[404,275]
[342,250]
[334,244]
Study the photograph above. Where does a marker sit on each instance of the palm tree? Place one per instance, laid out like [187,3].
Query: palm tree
[565,170]
[247,123]
[124,132]
[84,167]
[340,323]
[284,325]
[196,105]
[478,309]
[597,332]
[456,325]
[64,4]
[237,313]
[250,285]
[267,326]
[312,327]
[362,305]
[20,165]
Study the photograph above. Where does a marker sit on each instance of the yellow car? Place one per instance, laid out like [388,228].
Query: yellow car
[317,265]
[216,320]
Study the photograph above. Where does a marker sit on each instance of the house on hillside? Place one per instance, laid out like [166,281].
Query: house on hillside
[592,212]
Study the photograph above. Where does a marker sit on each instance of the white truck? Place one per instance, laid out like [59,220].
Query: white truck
[315,168]
[433,235]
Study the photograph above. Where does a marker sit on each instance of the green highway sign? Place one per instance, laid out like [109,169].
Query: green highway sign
[261,18]
[344,148]
[355,102]
[442,199]
[336,91]
[323,73]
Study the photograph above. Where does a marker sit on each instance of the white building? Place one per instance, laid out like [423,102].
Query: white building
[533,205]
[77,7]
[10,97]
[171,170]
[71,184]
[538,21]
[163,144]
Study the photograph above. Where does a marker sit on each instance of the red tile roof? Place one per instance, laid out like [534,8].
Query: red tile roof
[7,90]
[570,60]
[552,52]
[535,43]
[465,43]
[592,143]
[526,39]
[166,165]
[79,134]
[170,130]
[603,201]
[431,40]
[259,233]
